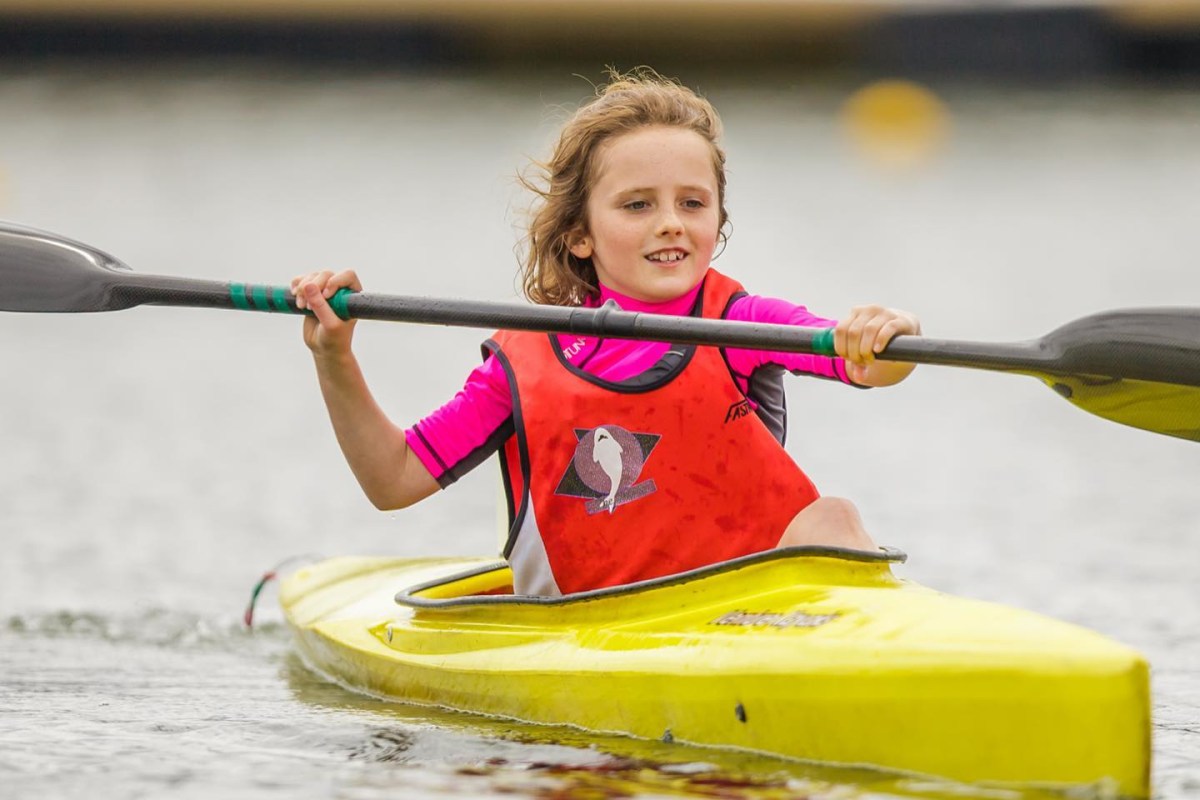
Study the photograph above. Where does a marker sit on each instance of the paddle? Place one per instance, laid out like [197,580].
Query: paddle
[1138,367]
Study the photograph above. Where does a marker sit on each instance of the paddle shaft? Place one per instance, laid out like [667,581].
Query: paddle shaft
[132,289]
[1139,367]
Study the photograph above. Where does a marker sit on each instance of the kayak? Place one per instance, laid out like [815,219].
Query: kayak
[817,654]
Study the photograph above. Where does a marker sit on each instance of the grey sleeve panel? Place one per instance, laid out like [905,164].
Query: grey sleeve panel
[765,388]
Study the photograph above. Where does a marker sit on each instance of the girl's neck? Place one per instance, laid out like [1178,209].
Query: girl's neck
[679,306]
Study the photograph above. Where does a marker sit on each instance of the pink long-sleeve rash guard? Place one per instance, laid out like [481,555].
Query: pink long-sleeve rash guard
[478,419]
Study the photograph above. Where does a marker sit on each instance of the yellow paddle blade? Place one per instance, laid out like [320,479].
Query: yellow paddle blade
[1167,408]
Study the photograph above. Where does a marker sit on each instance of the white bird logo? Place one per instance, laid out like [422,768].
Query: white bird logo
[608,453]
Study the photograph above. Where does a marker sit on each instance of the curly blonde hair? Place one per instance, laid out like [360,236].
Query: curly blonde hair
[627,102]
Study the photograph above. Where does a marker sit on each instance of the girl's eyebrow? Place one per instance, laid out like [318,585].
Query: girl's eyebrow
[651,189]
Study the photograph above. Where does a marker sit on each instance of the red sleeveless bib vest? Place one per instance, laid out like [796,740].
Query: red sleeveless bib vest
[609,484]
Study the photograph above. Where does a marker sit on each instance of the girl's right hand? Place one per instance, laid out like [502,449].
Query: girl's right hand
[325,333]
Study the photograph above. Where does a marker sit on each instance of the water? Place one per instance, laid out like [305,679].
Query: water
[157,461]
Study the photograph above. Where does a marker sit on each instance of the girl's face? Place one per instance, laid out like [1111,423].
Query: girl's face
[653,213]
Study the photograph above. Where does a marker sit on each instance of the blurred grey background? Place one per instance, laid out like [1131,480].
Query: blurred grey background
[1032,39]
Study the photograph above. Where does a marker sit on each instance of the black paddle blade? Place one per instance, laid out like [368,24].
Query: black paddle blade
[1139,367]
[42,271]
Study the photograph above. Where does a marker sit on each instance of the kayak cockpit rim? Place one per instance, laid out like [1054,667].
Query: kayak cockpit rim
[412,595]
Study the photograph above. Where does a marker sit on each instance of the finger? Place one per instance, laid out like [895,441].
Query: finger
[883,336]
[839,337]
[901,325]
[868,345]
[305,277]
[889,331]
[854,336]
[297,286]
[320,279]
[294,285]
[346,279]
[320,307]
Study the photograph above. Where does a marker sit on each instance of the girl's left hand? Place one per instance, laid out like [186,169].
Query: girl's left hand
[864,333]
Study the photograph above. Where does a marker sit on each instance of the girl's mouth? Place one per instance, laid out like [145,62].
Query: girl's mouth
[667,256]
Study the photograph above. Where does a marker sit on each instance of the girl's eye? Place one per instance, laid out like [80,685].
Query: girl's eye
[636,205]
[693,203]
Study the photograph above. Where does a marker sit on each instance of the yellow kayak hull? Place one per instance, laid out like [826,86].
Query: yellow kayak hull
[815,655]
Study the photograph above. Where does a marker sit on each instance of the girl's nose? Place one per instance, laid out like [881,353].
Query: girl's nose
[668,222]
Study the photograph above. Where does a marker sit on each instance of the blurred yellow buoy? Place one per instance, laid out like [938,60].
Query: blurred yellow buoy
[896,123]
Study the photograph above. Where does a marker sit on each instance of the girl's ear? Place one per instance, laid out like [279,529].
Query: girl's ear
[580,244]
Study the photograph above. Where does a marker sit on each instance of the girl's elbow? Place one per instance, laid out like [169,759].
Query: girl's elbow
[397,492]
[390,499]
[383,503]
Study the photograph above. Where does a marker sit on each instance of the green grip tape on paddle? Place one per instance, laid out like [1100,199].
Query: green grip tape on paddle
[249,297]
[823,343]
[338,302]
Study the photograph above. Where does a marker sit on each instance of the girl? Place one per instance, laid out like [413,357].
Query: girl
[622,461]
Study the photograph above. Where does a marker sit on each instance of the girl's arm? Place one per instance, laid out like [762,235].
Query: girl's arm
[389,474]
[866,331]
